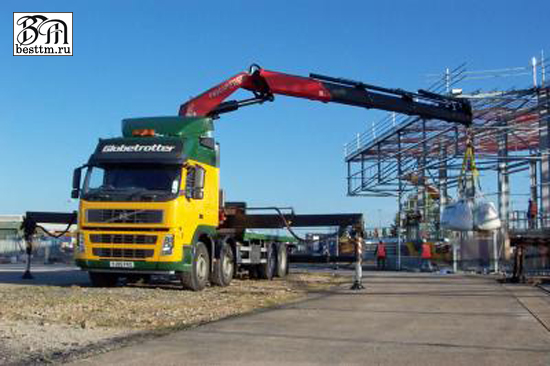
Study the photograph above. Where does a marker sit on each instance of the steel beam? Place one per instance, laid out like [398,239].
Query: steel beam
[443,183]
[399,204]
[266,221]
[503,190]
[544,147]
[533,184]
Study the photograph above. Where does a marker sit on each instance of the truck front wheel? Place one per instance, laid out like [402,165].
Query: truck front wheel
[224,268]
[197,278]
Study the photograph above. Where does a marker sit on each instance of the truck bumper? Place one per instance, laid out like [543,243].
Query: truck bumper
[138,267]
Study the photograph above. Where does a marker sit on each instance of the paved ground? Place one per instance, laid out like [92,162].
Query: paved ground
[51,274]
[412,319]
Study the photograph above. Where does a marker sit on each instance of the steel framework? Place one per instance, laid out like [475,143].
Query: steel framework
[406,157]
[397,155]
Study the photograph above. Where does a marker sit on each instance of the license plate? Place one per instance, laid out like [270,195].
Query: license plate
[121,264]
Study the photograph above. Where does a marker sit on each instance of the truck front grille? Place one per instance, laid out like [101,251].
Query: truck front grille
[122,239]
[123,253]
[121,216]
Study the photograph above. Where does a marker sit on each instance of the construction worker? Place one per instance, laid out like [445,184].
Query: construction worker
[380,255]
[326,252]
[426,255]
[532,214]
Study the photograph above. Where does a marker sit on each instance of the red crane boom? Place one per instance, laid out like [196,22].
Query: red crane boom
[265,84]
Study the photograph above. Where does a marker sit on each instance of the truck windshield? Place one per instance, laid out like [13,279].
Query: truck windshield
[132,183]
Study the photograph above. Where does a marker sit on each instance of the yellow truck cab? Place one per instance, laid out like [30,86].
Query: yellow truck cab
[150,204]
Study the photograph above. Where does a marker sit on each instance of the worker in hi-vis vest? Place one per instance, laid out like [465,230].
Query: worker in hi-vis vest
[381,255]
[426,255]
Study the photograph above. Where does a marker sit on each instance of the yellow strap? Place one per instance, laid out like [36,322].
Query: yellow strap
[469,161]
[473,167]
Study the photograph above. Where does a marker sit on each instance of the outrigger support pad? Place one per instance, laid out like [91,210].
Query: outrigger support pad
[31,222]
[29,229]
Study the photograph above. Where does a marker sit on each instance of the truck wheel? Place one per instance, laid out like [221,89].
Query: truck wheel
[224,268]
[197,278]
[282,260]
[99,279]
[267,270]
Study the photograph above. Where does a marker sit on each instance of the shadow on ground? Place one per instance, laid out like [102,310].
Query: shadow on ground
[44,275]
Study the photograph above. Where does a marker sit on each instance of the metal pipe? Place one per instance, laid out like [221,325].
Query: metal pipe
[399,203]
[503,192]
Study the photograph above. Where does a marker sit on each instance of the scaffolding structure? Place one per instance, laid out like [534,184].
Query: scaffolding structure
[419,161]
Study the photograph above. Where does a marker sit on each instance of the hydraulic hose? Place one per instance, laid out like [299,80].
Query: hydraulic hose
[285,222]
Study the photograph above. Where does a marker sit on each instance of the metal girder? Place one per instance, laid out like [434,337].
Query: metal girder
[267,221]
[51,217]
[375,160]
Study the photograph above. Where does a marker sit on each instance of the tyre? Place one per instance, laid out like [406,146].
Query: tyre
[99,279]
[282,260]
[224,267]
[267,270]
[197,278]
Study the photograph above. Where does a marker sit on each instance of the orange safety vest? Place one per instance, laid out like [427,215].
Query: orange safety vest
[426,251]
[381,251]
[533,210]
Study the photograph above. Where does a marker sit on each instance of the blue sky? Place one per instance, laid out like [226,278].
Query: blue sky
[143,58]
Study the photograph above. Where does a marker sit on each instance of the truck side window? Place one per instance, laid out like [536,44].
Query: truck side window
[189,182]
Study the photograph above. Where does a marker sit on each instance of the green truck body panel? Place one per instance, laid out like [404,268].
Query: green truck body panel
[201,230]
[171,126]
[190,130]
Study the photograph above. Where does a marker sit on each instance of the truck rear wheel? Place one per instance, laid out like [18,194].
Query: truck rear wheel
[224,268]
[99,279]
[267,270]
[282,260]
[197,278]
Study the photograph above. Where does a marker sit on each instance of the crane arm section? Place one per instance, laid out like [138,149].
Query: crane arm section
[264,84]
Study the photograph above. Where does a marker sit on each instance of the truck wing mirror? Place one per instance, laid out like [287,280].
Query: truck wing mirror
[77,175]
[194,185]
[198,188]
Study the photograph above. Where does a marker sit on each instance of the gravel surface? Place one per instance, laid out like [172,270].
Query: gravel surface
[40,324]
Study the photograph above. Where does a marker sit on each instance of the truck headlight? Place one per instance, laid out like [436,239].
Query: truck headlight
[168,245]
[81,246]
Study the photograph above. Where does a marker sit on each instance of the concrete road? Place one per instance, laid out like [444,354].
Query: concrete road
[400,319]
